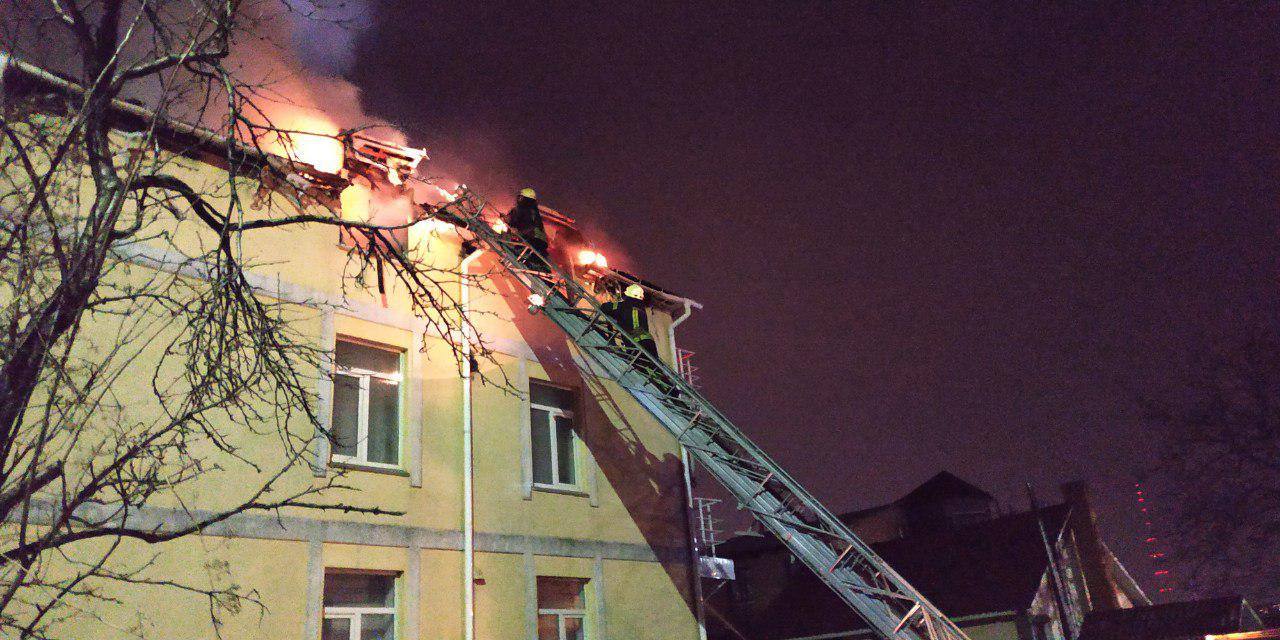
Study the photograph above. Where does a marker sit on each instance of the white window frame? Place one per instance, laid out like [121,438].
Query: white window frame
[362,407]
[552,430]
[356,614]
[561,615]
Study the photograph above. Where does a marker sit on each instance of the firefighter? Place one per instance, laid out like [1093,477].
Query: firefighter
[628,311]
[626,307]
[526,220]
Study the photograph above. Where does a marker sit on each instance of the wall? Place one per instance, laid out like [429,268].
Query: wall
[625,532]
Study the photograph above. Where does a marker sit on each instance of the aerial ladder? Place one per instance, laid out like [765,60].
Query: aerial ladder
[881,597]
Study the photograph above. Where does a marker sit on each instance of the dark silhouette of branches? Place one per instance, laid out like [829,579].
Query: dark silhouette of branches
[1221,431]
[128,385]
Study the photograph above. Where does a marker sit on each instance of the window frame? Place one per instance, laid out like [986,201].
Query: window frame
[363,376]
[553,428]
[356,614]
[561,614]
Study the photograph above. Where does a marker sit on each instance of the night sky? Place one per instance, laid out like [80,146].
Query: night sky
[927,237]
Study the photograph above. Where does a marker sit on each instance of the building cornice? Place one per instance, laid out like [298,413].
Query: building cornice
[278,526]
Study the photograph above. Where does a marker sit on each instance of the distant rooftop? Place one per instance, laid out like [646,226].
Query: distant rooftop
[986,567]
[1172,621]
[941,486]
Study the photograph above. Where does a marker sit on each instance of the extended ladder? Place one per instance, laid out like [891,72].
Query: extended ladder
[848,566]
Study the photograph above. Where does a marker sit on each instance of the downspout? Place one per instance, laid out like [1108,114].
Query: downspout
[468,487]
[699,607]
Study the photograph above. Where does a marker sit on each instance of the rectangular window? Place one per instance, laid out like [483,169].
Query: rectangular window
[366,404]
[359,606]
[555,459]
[562,610]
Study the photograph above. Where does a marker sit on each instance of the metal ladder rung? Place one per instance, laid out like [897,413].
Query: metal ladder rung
[884,593]
[902,623]
[692,421]
[839,558]
[762,488]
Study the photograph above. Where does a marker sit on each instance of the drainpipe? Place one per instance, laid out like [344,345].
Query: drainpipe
[468,488]
[671,330]
[698,606]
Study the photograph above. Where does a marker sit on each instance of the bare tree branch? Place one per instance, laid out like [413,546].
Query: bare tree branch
[1221,430]
[126,386]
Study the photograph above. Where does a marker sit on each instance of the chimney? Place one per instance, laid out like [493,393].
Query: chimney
[1095,564]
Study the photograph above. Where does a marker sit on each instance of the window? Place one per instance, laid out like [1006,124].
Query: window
[366,404]
[555,460]
[562,610]
[359,606]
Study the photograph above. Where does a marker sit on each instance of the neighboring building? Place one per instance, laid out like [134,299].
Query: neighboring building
[1219,618]
[1270,614]
[580,527]
[990,573]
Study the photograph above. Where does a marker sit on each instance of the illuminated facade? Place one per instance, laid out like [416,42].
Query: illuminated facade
[549,509]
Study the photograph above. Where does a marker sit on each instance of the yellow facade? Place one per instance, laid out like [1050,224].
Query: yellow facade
[624,531]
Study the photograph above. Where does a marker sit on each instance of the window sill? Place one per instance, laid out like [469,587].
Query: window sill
[356,465]
[563,490]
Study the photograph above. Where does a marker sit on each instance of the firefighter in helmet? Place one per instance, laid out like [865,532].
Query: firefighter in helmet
[526,220]
[627,308]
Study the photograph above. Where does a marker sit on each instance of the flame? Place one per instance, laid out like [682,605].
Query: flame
[309,139]
[592,258]
[325,154]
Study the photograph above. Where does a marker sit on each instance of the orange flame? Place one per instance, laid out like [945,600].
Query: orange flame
[592,258]
[309,139]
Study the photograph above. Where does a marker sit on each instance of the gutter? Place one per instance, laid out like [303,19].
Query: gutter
[468,486]
[201,137]
[687,303]
[70,87]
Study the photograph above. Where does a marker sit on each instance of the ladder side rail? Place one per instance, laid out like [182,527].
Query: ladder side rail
[875,604]
[814,552]
[538,283]
[806,546]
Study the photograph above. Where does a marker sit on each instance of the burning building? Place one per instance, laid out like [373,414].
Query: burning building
[521,501]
